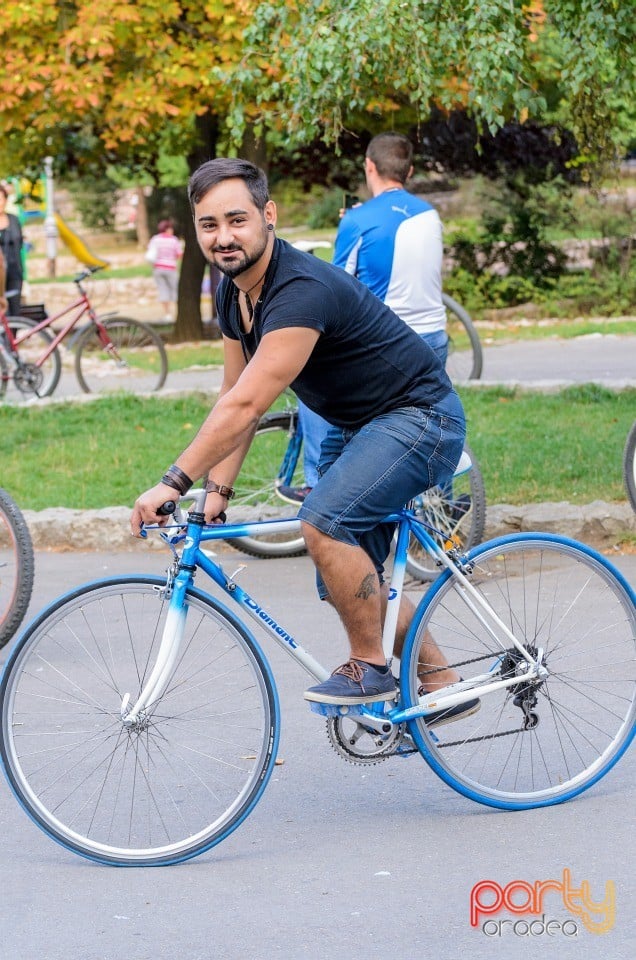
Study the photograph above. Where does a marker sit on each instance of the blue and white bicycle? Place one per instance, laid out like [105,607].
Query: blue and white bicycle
[140,719]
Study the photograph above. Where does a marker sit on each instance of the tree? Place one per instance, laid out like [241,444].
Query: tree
[324,63]
[95,84]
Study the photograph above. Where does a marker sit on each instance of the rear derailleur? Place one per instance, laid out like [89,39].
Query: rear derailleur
[524,693]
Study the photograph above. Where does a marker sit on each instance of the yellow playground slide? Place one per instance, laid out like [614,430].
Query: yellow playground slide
[76,245]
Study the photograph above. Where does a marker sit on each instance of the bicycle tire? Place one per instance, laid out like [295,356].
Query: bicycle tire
[260,474]
[16,567]
[5,376]
[553,594]
[33,380]
[458,512]
[629,465]
[462,364]
[141,364]
[195,765]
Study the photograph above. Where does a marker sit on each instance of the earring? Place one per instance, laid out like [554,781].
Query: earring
[270,226]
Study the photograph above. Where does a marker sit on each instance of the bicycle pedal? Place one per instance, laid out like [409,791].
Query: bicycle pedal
[335,709]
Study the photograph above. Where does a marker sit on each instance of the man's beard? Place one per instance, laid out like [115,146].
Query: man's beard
[232,270]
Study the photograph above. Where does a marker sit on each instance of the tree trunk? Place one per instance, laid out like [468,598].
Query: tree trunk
[189,325]
[141,220]
[254,150]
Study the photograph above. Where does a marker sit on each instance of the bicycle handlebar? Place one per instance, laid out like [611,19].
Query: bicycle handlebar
[84,274]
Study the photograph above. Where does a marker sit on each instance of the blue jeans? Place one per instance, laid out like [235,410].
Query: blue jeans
[314,430]
[315,427]
[368,473]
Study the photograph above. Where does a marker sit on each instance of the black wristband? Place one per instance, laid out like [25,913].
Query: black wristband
[175,477]
[170,481]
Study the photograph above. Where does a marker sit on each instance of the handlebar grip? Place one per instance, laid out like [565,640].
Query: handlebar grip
[167,508]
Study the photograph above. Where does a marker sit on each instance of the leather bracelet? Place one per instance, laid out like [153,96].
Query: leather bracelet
[180,480]
[172,482]
[212,487]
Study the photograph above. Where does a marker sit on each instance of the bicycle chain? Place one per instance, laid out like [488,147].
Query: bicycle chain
[490,736]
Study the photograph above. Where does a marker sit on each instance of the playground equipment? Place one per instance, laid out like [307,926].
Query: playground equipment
[35,202]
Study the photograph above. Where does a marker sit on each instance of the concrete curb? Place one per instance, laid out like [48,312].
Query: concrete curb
[603,525]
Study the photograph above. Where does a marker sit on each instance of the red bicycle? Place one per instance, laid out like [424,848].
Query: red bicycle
[111,352]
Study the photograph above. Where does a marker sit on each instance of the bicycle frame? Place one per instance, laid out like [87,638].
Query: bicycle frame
[82,305]
[193,557]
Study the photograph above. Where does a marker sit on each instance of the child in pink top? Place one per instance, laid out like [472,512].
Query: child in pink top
[164,251]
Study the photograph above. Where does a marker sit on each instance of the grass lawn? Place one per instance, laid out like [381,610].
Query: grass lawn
[532,447]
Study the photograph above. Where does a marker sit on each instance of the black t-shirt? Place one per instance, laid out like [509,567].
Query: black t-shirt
[366,361]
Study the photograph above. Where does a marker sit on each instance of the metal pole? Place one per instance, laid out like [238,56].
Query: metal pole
[50,227]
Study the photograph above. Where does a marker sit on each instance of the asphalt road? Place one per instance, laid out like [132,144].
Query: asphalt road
[336,860]
[550,363]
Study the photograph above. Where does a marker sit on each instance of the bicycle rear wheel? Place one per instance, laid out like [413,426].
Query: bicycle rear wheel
[465,357]
[16,567]
[538,743]
[179,781]
[134,360]
[458,514]
[30,379]
[629,465]
[273,459]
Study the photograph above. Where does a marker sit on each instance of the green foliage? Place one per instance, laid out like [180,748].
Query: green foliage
[518,213]
[94,198]
[327,63]
[325,212]
[581,293]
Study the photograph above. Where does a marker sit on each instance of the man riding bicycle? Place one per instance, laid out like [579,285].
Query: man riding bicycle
[290,320]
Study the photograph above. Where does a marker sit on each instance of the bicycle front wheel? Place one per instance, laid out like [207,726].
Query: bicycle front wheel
[133,358]
[455,515]
[629,465]
[186,774]
[535,743]
[16,567]
[465,356]
[5,376]
[34,378]
[273,459]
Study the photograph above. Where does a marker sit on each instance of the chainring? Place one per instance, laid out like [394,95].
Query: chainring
[356,743]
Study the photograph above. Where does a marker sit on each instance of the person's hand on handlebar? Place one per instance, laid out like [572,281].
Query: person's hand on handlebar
[215,504]
[147,505]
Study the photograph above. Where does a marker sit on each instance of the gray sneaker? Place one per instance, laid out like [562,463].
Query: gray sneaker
[461,710]
[354,682]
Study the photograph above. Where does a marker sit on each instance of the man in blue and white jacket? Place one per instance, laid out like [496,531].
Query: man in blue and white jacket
[393,244]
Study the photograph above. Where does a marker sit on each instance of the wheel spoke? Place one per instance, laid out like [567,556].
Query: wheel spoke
[540,741]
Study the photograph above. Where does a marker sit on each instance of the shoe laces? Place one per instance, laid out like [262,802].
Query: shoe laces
[351,669]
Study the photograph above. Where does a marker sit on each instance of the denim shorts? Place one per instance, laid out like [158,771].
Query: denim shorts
[368,473]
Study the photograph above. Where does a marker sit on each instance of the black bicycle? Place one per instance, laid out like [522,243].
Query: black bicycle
[629,465]
[16,567]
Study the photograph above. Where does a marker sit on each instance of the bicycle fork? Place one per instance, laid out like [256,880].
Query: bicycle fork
[169,647]
[179,579]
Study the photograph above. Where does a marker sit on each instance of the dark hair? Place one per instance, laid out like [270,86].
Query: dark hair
[165,225]
[392,154]
[226,168]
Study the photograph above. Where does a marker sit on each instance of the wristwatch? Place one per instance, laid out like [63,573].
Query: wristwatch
[212,487]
